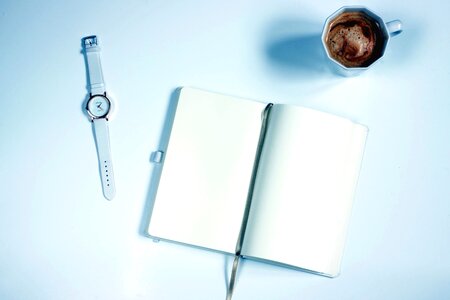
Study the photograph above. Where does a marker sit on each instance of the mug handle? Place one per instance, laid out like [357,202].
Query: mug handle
[394,27]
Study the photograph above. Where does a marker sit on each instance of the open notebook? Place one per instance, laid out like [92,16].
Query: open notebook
[275,181]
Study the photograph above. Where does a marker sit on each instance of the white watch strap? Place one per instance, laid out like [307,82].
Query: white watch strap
[96,83]
[104,157]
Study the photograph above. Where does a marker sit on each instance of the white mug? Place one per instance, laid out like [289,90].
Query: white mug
[385,31]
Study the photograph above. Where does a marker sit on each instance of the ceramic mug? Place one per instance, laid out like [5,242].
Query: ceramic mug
[354,38]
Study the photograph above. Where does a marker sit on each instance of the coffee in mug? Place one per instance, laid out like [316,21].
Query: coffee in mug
[354,38]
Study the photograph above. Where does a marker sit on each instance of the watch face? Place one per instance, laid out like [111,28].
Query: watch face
[98,106]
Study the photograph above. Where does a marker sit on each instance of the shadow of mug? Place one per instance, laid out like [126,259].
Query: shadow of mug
[301,53]
[294,49]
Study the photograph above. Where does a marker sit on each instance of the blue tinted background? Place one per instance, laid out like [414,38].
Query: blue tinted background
[60,239]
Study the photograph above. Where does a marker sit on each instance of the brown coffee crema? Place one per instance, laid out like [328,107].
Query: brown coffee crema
[354,39]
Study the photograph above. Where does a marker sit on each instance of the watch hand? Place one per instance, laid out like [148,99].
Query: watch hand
[98,105]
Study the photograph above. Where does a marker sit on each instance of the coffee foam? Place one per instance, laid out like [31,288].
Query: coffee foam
[352,39]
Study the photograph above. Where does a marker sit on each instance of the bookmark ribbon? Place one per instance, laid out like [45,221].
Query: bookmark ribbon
[240,241]
[232,282]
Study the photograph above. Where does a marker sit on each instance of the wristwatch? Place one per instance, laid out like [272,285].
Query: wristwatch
[98,108]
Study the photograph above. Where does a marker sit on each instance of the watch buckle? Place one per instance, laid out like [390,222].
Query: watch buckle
[90,41]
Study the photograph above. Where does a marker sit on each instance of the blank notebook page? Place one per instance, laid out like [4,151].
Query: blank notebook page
[304,189]
[207,169]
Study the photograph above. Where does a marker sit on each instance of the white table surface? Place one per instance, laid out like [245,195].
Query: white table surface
[60,239]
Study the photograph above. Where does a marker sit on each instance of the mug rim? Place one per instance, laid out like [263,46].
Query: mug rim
[365,10]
